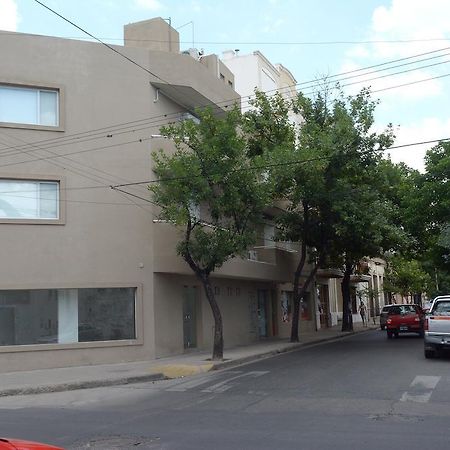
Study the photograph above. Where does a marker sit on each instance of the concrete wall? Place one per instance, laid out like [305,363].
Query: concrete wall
[106,237]
[154,34]
[234,297]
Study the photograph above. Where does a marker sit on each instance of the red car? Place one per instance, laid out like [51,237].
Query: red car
[404,319]
[18,444]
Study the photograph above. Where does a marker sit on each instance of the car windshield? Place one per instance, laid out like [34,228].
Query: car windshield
[402,309]
[442,308]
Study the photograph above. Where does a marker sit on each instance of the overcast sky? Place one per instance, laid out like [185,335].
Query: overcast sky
[312,38]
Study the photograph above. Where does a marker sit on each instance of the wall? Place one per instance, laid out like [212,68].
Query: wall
[106,238]
[233,296]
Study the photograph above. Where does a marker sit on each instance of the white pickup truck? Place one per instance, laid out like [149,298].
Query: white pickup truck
[437,326]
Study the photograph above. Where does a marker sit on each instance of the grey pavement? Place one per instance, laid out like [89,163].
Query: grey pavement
[83,377]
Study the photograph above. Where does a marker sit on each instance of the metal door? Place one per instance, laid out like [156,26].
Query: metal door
[190,317]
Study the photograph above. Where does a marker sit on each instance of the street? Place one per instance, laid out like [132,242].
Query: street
[362,392]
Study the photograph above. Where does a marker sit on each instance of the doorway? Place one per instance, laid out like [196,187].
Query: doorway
[324,305]
[190,317]
[263,299]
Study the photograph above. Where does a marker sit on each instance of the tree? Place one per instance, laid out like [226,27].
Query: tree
[298,160]
[406,277]
[214,194]
[424,201]
[363,217]
[435,196]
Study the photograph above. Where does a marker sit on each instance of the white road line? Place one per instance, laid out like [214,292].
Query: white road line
[417,398]
[224,386]
[184,386]
[425,381]
[421,389]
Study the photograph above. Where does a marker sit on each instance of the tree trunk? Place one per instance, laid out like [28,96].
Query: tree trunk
[296,295]
[298,298]
[217,354]
[347,319]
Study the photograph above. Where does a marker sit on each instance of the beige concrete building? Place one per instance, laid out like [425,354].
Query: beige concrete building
[87,274]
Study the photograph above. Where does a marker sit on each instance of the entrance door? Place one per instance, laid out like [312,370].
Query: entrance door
[190,317]
[263,297]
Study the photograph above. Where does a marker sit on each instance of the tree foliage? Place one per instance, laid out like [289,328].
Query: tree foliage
[406,277]
[213,193]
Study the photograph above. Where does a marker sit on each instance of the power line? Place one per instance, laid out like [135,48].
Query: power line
[132,61]
[268,166]
[77,152]
[99,40]
[76,135]
[413,82]
[5,152]
[331,42]
[72,168]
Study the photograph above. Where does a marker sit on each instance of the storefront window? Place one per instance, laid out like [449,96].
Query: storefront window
[287,306]
[66,315]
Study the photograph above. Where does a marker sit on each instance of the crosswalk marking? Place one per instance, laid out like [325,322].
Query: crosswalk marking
[224,385]
[184,386]
[417,398]
[425,381]
[421,389]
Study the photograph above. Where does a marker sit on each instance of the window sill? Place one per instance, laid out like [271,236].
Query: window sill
[73,346]
[26,126]
[32,221]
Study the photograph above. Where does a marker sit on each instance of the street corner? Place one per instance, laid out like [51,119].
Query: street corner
[182,370]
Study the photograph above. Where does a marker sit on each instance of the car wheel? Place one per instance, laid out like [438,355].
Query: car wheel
[396,334]
[429,353]
[422,333]
[389,334]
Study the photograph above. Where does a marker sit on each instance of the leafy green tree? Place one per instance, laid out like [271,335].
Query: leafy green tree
[356,219]
[211,172]
[406,277]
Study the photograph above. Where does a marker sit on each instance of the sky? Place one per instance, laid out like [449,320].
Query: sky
[312,38]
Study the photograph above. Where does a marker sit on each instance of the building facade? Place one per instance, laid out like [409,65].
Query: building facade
[89,276]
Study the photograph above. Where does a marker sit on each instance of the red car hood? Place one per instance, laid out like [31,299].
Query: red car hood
[19,444]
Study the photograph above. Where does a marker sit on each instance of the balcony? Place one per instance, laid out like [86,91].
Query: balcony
[262,263]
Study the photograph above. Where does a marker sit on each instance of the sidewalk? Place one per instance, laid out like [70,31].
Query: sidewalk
[84,377]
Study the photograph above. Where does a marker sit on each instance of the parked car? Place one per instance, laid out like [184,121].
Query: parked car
[404,319]
[18,444]
[384,316]
[437,327]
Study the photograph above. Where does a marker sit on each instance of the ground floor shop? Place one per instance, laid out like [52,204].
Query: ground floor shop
[164,314]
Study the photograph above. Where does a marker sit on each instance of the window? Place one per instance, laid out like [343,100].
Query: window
[31,106]
[189,116]
[63,316]
[29,199]
[442,308]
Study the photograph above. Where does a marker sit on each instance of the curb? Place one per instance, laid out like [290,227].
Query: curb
[278,351]
[167,372]
[63,387]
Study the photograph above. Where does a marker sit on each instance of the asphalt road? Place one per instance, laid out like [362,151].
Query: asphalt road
[362,392]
